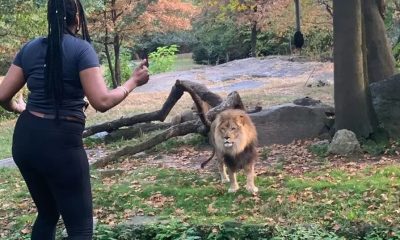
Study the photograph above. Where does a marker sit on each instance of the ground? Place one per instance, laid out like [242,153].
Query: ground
[300,185]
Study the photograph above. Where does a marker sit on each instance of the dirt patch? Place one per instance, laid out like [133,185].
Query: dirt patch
[295,159]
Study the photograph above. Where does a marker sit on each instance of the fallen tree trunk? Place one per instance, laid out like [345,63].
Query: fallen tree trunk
[135,131]
[182,129]
[199,93]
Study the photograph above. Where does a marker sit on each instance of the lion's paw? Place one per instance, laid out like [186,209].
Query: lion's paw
[233,189]
[225,180]
[252,189]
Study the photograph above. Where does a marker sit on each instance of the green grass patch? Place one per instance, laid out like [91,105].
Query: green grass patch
[321,150]
[307,206]
[6,132]
[184,62]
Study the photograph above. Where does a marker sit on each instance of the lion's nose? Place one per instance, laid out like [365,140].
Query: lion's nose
[226,137]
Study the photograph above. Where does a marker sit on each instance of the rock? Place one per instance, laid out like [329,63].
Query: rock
[283,124]
[344,143]
[142,220]
[306,101]
[319,83]
[386,101]
[100,135]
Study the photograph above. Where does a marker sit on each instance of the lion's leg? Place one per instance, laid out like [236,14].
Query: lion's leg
[250,175]
[222,168]
[232,177]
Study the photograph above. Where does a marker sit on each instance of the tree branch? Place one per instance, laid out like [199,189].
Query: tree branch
[174,131]
[195,89]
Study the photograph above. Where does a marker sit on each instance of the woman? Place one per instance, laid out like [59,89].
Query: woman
[47,143]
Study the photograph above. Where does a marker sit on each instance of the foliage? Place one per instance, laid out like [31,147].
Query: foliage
[4,115]
[219,42]
[321,150]
[338,196]
[20,21]
[6,132]
[304,232]
[396,54]
[127,67]
[234,230]
[163,59]
[319,42]
[116,24]
[149,42]
[269,43]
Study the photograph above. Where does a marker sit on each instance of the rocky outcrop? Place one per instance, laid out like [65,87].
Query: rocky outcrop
[285,123]
[386,101]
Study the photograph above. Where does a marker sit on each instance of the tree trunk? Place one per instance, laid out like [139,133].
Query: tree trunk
[110,66]
[117,64]
[253,39]
[107,52]
[352,107]
[298,25]
[380,60]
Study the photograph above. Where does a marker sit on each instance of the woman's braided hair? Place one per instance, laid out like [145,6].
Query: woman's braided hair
[61,14]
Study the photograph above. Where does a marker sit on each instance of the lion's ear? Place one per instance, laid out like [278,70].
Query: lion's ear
[242,120]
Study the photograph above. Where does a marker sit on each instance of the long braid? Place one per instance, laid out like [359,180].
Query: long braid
[60,16]
[54,56]
[83,22]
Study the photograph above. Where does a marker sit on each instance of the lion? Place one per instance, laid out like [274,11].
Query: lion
[234,138]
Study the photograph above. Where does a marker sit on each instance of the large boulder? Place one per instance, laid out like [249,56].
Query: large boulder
[285,123]
[386,102]
[344,143]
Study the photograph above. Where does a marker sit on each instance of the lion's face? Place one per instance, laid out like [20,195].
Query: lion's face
[233,131]
[230,132]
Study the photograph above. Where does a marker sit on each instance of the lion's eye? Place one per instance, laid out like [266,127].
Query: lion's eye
[233,128]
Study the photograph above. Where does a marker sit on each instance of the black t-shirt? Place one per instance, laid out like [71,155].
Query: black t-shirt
[78,55]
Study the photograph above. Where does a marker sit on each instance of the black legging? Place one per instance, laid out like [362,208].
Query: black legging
[52,160]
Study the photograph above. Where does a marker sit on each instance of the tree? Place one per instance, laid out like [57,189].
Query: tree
[115,23]
[361,56]
[20,21]
[249,13]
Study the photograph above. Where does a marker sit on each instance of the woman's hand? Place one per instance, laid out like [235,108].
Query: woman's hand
[19,104]
[140,75]
[11,84]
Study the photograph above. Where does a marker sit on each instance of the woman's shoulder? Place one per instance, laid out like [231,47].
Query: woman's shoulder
[77,43]
[35,42]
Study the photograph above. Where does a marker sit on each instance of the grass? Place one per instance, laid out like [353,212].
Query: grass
[326,197]
[6,131]
[185,62]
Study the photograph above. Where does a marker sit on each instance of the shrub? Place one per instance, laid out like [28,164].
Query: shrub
[163,59]
[126,67]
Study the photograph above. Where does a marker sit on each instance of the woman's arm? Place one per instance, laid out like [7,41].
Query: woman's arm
[103,99]
[11,84]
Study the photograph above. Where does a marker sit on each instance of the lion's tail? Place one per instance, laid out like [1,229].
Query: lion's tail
[203,164]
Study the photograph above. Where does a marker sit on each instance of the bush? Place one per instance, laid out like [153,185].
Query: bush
[220,43]
[268,43]
[163,59]
[319,44]
[5,63]
[126,67]
[149,43]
